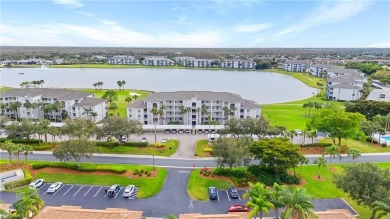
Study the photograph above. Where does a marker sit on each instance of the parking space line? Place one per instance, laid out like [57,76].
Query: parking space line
[227,195]
[41,186]
[68,189]
[97,192]
[59,189]
[88,191]
[118,192]
[239,197]
[217,195]
[78,190]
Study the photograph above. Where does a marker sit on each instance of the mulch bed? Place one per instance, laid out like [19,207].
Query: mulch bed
[318,179]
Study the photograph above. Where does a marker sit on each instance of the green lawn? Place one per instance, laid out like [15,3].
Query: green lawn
[199,148]
[4,88]
[164,151]
[197,186]
[149,186]
[364,147]
[122,94]
[306,78]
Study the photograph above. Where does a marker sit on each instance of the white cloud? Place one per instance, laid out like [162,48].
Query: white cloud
[380,45]
[329,12]
[85,13]
[108,22]
[251,27]
[62,34]
[69,3]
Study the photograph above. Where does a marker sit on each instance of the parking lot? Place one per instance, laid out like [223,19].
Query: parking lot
[83,192]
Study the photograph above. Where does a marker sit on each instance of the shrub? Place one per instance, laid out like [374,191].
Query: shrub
[27,180]
[375,141]
[149,174]
[207,149]
[269,176]
[227,172]
[317,145]
[160,145]
[135,144]
[146,172]
[142,171]
[205,173]
[43,147]
[22,141]
[82,168]
[107,144]
[369,139]
[384,144]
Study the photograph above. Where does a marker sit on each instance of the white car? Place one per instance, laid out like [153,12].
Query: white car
[54,187]
[128,191]
[36,184]
[124,138]
[164,140]
[143,139]
[298,131]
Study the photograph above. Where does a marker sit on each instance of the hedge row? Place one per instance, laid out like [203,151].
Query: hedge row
[269,176]
[227,172]
[81,168]
[317,145]
[22,141]
[27,180]
[110,144]
[43,147]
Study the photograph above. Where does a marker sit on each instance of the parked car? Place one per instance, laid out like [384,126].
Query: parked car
[164,140]
[113,190]
[233,192]
[206,131]
[212,131]
[128,191]
[213,193]
[238,208]
[298,131]
[36,184]
[181,131]
[54,187]
[167,131]
[174,131]
[188,131]
[143,139]
[124,138]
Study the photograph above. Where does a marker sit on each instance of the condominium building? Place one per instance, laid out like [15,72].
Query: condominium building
[69,104]
[345,88]
[337,71]
[184,60]
[296,65]
[192,107]
[238,63]
[122,60]
[320,70]
[157,61]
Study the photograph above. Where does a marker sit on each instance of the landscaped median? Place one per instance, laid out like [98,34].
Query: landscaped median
[166,149]
[202,148]
[150,182]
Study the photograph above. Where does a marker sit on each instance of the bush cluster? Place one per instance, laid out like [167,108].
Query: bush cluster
[27,180]
[269,176]
[208,149]
[22,141]
[110,144]
[227,172]
[205,172]
[43,147]
[317,145]
[140,172]
[81,168]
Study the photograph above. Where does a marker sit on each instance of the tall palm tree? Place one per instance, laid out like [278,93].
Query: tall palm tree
[161,112]
[9,147]
[291,135]
[135,97]
[95,85]
[188,110]
[15,107]
[43,127]
[155,112]
[27,150]
[298,205]
[333,151]
[198,110]
[259,202]
[57,106]
[41,82]
[87,112]
[183,110]
[320,161]
[276,196]
[18,148]
[46,108]
[3,106]
[29,201]
[312,135]
[203,111]
[233,109]
[382,208]
[128,100]
[123,84]
[303,160]
[119,83]
[354,153]
[226,112]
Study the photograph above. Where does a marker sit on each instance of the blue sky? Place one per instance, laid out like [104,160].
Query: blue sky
[217,23]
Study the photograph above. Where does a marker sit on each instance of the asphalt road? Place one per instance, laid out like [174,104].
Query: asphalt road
[187,163]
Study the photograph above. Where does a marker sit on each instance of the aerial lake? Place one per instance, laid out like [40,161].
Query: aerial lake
[262,87]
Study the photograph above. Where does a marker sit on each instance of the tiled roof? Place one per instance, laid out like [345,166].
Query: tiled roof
[345,86]
[137,104]
[89,101]
[122,57]
[60,94]
[342,79]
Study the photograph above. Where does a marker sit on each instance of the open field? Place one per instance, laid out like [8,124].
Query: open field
[364,147]
[122,94]
[150,150]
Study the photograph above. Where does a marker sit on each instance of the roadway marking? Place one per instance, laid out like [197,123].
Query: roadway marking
[227,195]
[118,192]
[59,189]
[217,195]
[88,191]
[181,171]
[78,190]
[239,196]
[98,191]
[69,189]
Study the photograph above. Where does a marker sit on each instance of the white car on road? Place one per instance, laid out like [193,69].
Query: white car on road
[164,140]
[54,187]
[36,184]
[128,191]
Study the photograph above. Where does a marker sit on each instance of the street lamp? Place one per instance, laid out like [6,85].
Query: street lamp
[153,163]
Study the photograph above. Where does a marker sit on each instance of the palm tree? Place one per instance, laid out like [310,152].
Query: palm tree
[303,160]
[333,151]
[312,135]
[53,131]
[183,110]
[258,202]
[310,105]
[198,110]
[30,202]
[298,205]
[41,82]
[57,106]
[354,153]
[94,115]
[43,127]
[382,208]
[155,112]
[123,84]
[110,96]
[161,112]
[188,110]
[128,100]
[135,97]
[14,107]
[17,149]
[320,161]
[291,134]
[226,112]
[95,85]
[88,111]
[203,111]
[305,105]
[232,110]
[27,150]
[276,196]
[9,147]
[3,106]
[119,83]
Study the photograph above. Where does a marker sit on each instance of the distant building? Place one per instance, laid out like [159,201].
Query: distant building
[345,88]
[76,104]
[122,60]
[157,61]
[296,65]
[318,69]
[182,60]
[238,63]
[98,57]
[337,71]
[219,107]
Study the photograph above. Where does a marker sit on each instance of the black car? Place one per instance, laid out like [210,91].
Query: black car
[113,190]
[213,193]
[233,192]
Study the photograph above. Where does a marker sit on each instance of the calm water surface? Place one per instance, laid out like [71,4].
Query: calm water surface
[262,87]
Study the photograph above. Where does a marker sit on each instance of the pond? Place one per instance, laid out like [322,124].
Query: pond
[262,87]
